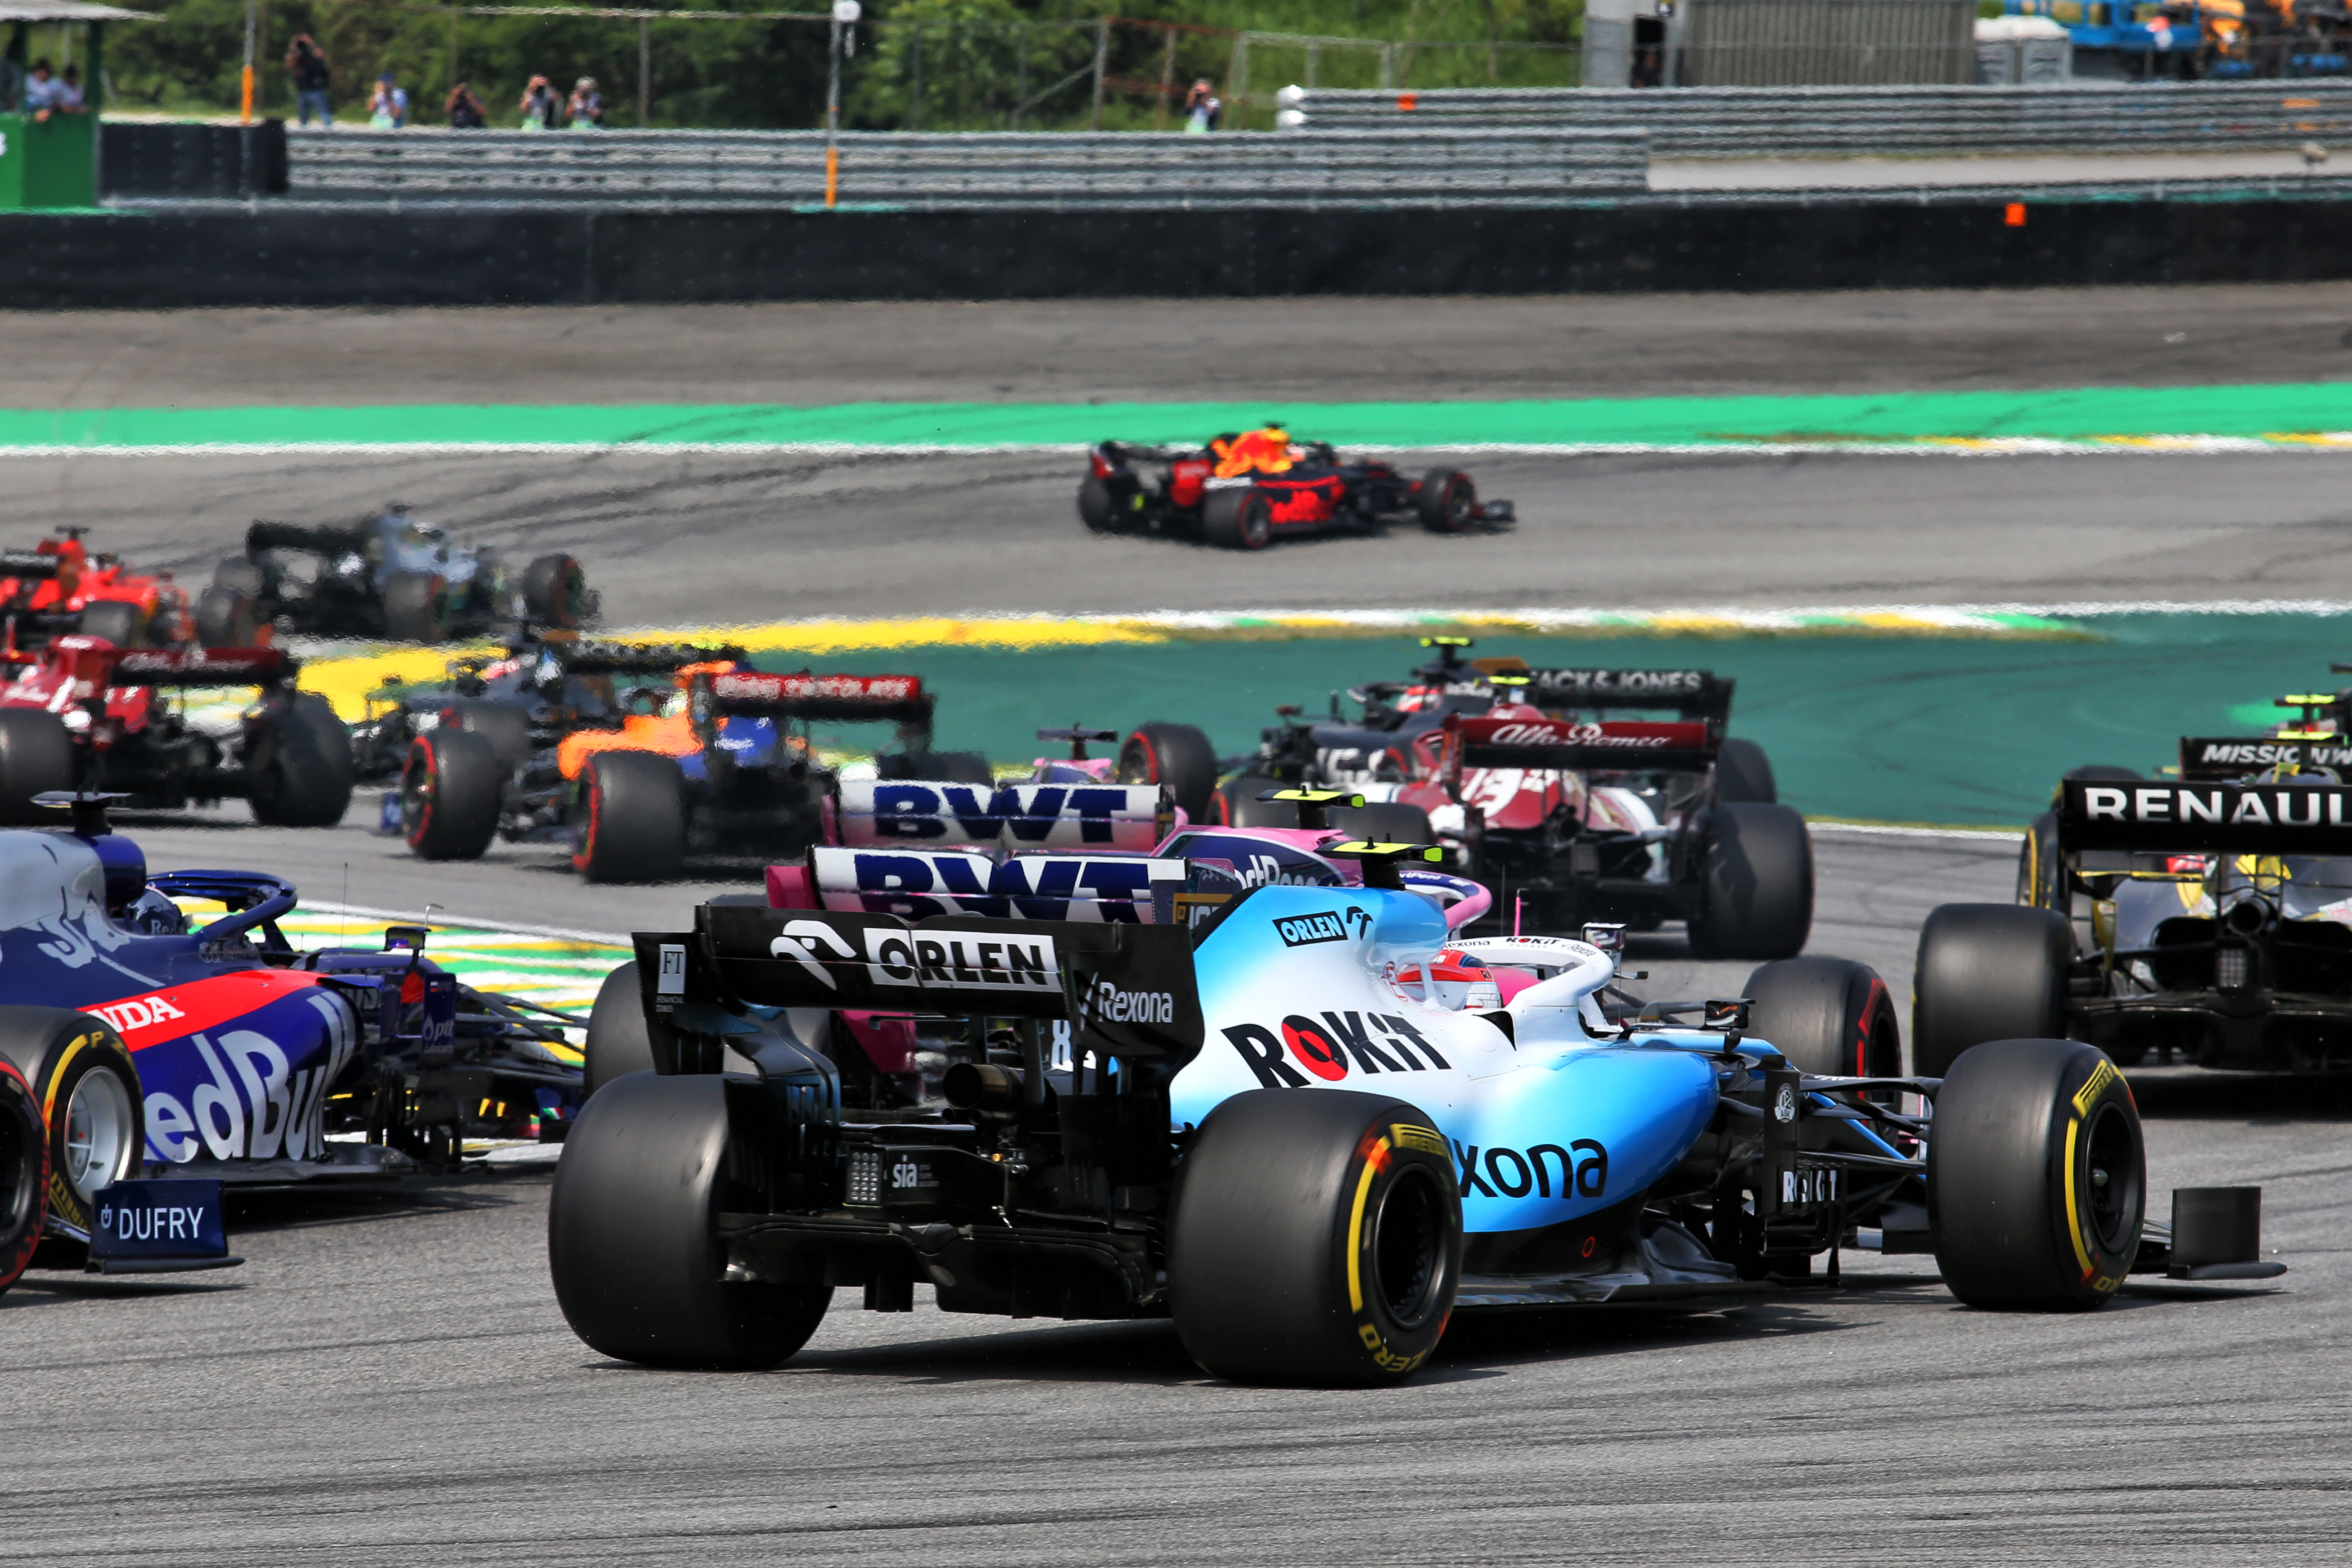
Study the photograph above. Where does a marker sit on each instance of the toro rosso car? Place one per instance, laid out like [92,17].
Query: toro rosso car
[58,586]
[1309,1123]
[1243,491]
[2206,919]
[390,576]
[164,1059]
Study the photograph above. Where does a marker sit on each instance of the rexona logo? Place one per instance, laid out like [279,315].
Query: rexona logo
[1582,1169]
[1304,931]
[1331,1048]
[1107,1004]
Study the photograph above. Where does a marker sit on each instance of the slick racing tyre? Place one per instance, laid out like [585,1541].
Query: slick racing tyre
[1316,1239]
[1986,972]
[227,618]
[1177,755]
[1238,519]
[935,767]
[449,791]
[503,724]
[302,767]
[416,607]
[121,623]
[2036,1176]
[241,575]
[1237,804]
[1756,883]
[1385,822]
[86,1087]
[628,820]
[37,755]
[1448,502]
[555,593]
[2041,880]
[1095,506]
[1830,1017]
[618,1042]
[23,1174]
[632,1239]
[1742,772]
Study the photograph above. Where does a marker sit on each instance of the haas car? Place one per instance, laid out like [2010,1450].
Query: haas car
[146,1060]
[388,576]
[1310,1121]
[58,587]
[1244,491]
[2206,919]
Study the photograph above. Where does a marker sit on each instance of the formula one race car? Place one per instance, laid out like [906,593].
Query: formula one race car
[58,587]
[1123,1092]
[162,1059]
[85,714]
[1242,491]
[388,576]
[2208,919]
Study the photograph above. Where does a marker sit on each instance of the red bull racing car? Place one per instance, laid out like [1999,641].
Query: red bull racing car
[1243,491]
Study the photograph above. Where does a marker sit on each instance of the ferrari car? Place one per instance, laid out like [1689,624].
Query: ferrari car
[164,1056]
[86,714]
[1127,1076]
[386,576]
[1244,490]
[60,587]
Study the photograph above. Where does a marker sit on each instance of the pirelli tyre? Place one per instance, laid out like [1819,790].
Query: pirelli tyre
[1829,1016]
[618,1042]
[86,1087]
[450,785]
[23,1174]
[1756,876]
[632,1235]
[555,593]
[1095,506]
[416,607]
[119,622]
[2041,880]
[1742,772]
[227,618]
[936,768]
[505,725]
[1447,502]
[1177,755]
[301,767]
[1316,1238]
[628,818]
[1986,972]
[1237,804]
[37,755]
[2037,1176]
[1238,519]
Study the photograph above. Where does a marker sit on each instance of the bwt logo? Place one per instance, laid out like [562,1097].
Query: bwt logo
[1302,930]
[1107,1004]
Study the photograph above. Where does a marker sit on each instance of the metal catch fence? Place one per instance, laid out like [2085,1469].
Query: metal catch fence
[1420,167]
[1861,122]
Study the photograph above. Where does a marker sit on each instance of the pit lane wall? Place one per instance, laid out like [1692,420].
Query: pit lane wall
[287,252]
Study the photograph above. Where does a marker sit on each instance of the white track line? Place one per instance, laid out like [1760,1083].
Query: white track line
[2003,834]
[472,923]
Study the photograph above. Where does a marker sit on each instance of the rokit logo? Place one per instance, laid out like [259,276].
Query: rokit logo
[1369,1043]
[1305,930]
[1107,1004]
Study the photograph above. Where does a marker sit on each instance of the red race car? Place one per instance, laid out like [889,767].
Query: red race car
[57,587]
[1243,491]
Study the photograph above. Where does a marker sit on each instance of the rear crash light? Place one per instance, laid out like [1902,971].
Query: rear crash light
[865,1176]
[2230,968]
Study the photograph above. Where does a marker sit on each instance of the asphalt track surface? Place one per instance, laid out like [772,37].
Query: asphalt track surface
[388,1381]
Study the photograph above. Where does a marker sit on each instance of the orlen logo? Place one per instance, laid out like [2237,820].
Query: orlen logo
[1302,930]
[140,1013]
[1109,1005]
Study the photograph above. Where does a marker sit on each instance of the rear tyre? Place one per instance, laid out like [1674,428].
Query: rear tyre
[618,1041]
[1987,971]
[2042,881]
[1094,509]
[632,1235]
[449,790]
[555,592]
[2036,1176]
[936,768]
[37,754]
[628,824]
[503,724]
[82,1073]
[1177,755]
[416,607]
[1240,806]
[302,769]
[1743,772]
[23,1174]
[227,618]
[238,574]
[1238,519]
[1385,822]
[1447,501]
[1316,1239]
[1830,1017]
[119,622]
[1756,883]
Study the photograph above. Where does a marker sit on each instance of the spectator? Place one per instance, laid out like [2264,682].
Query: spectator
[1202,108]
[539,105]
[41,90]
[69,100]
[586,108]
[305,62]
[465,111]
[388,109]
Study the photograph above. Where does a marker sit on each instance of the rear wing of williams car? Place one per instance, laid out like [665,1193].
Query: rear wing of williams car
[1693,693]
[1128,990]
[1571,745]
[2189,817]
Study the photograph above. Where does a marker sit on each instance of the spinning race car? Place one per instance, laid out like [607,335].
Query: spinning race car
[1241,491]
[1130,1073]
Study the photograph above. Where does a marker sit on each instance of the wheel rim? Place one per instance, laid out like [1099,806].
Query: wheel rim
[1408,1248]
[1457,505]
[1256,523]
[417,800]
[98,1132]
[2111,1156]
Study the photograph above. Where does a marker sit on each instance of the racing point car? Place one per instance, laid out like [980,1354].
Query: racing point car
[2201,919]
[1243,491]
[1134,1071]
[85,714]
[160,1060]
[390,576]
[58,587]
